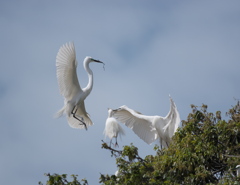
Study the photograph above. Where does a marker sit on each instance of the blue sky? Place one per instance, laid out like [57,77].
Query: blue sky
[189,49]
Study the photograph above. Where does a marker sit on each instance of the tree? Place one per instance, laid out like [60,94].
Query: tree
[56,179]
[205,150]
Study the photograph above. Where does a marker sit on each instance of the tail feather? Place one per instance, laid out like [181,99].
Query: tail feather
[60,112]
[74,123]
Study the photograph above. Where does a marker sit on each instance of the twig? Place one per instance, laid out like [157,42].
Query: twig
[104,145]
[231,155]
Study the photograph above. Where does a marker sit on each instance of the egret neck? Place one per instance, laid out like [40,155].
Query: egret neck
[88,88]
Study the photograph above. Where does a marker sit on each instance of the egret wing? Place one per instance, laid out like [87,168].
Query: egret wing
[66,71]
[140,124]
[172,119]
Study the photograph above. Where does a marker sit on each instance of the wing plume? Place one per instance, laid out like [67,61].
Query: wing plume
[66,64]
[172,119]
[140,124]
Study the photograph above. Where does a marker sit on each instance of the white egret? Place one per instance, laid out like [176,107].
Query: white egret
[70,88]
[118,173]
[112,128]
[150,128]
[238,170]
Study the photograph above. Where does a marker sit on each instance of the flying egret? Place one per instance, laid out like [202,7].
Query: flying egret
[70,88]
[150,128]
[112,128]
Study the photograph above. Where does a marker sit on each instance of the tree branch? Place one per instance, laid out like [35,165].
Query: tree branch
[231,155]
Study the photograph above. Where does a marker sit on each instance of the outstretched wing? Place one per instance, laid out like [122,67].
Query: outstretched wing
[140,124]
[66,71]
[172,119]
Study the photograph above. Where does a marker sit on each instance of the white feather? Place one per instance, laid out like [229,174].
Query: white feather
[112,127]
[150,128]
[70,89]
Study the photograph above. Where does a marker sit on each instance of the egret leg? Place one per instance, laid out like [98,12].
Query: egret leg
[110,143]
[161,144]
[116,144]
[74,115]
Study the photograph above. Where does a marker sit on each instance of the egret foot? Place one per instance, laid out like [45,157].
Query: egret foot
[116,145]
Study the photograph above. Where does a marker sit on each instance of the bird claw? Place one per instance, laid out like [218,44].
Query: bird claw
[85,127]
[83,123]
[116,145]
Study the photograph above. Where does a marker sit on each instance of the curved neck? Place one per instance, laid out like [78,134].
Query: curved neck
[89,86]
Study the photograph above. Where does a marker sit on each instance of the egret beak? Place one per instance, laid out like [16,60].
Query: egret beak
[96,60]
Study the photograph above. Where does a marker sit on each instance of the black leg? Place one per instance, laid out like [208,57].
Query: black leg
[74,115]
[116,144]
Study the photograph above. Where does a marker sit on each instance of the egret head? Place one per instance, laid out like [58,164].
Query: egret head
[90,59]
[110,112]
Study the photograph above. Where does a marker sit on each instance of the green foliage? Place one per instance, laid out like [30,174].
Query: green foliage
[205,150]
[56,179]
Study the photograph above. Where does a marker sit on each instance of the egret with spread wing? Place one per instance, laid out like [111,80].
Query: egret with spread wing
[112,128]
[70,88]
[150,128]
